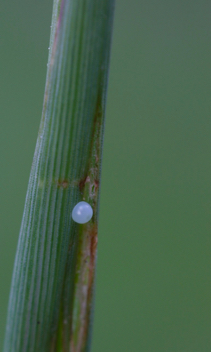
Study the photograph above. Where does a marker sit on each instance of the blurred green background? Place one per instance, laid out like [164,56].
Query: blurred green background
[153,291]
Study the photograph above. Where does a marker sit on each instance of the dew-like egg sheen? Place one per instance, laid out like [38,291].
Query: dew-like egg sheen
[82,212]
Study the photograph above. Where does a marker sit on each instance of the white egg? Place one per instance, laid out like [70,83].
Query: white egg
[82,212]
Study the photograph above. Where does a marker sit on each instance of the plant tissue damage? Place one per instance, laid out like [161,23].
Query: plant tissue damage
[87,246]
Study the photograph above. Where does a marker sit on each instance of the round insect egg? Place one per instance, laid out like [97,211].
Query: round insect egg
[82,212]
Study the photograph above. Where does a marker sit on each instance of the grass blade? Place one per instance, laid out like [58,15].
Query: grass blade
[51,299]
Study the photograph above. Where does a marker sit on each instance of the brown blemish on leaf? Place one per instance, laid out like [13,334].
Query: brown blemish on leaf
[63,183]
[84,290]
[93,251]
[96,159]
[93,248]
[96,182]
[82,182]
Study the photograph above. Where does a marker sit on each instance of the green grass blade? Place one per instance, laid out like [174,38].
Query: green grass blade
[51,299]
